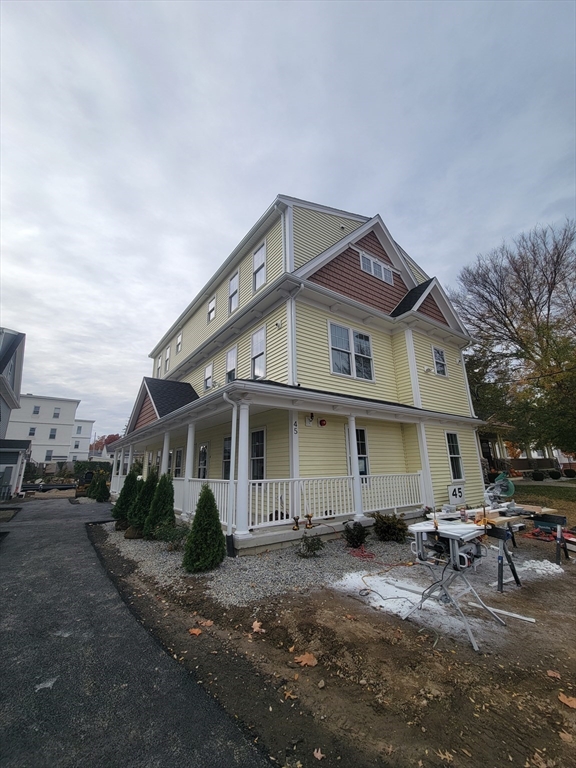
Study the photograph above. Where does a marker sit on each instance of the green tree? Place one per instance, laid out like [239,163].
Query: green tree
[205,545]
[102,492]
[141,507]
[162,507]
[126,496]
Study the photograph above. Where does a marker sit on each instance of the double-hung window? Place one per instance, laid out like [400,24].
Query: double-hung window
[351,352]
[208,371]
[48,456]
[211,309]
[259,267]
[257,455]
[78,430]
[231,361]
[376,268]
[159,367]
[36,410]
[31,431]
[178,463]
[56,414]
[226,454]
[203,461]
[455,456]
[179,343]
[362,447]
[258,367]
[440,361]
[233,286]
[76,444]
[167,360]
[53,433]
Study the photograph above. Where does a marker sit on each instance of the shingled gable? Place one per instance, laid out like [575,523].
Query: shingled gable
[158,398]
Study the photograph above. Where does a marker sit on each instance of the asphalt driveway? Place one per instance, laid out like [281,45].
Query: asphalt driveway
[83,683]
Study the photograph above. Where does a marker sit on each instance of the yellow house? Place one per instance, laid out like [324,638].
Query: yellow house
[318,373]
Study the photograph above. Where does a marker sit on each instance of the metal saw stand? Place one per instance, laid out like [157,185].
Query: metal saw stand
[451,572]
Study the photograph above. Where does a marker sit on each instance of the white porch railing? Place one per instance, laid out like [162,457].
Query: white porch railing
[385,492]
[179,485]
[116,483]
[220,489]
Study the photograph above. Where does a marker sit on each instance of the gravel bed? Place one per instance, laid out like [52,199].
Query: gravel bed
[240,581]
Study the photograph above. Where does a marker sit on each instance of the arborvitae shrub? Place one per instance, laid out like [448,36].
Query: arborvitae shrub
[102,492]
[205,545]
[554,474]
[390,528]
[310,545]
[126,496]
[537,476]
[162,507]
[91,490]
[140,510]
[355,535]
[570,472]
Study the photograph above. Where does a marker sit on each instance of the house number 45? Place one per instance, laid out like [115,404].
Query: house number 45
[295,427]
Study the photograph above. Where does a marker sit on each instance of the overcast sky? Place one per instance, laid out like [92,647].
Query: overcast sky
[141,141]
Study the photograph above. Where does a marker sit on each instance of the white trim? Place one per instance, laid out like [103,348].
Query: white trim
[413,367]
[294,442]
[291,341]
[355,469]
[467,383]
[242,484]
[427,483]
[165,452]
[289,239]
[458,455]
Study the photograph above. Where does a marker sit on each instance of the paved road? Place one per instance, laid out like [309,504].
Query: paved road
[82,683]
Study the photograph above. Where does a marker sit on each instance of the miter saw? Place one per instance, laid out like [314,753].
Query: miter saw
[497,494]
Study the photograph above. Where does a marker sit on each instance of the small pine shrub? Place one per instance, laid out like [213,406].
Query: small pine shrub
[390,528]
[102,492]
[126,496]
[355,535]
[554,474]
[141,507]
[173,535]
[538,476]
[570,472]
[205,545]
[161,508]
[310,546]
[91,490]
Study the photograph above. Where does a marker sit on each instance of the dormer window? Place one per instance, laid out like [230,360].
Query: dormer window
[376,268]
[259,267]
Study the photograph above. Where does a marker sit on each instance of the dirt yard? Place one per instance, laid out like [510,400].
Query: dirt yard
[380,691]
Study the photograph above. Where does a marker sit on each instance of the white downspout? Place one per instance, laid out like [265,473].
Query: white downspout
[231,495]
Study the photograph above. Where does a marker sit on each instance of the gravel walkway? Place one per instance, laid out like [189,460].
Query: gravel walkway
[242,580]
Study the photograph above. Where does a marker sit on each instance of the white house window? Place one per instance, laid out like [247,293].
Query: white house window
[211,309]
[167,359]
[179,343]
[76,444]
[362,447]
[53,433]
[259,267]
[208,376]
[440,361]
[455,456]
[231,360]
[74,458]
[203,461]
[78,430]
[159,367]
[258,367]
[233,293]
[376,268]
[178,463]
[226,453]
[351,352]
[31,431]
[36,410]
[48,456]
[257,455]
[56,414]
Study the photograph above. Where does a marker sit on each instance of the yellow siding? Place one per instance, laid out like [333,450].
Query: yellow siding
[313,349]
[196,330]
[411,448]
[441,393]
[419,276]
[314,232]
[440,463]
[403,382]
[322,449]
[385,447]
[214,437]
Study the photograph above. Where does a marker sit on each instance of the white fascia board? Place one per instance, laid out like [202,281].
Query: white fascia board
[294,201]
[31,396]
[8,395]
[255,234]
[444,304]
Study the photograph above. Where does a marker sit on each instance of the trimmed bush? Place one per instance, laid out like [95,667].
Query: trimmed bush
[355,535]
[538,476]
[140,509]
[173,535]
[161,508]
[126,496]
[570,472]
[554,474]
[102,492]
[91,490]
[205,545]
[390,528]
[310,545]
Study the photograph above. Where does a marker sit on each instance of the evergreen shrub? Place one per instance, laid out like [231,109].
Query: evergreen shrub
[554,474]
[390,527]
[205,545]
[140,509]
[570,472]
[355,535]
[173,535]
[538,476]
[161,508]
[102,492]
[126,496]
[310,545]
[91,490]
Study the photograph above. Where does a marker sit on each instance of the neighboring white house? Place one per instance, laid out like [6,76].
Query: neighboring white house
[12,452]
[51,425]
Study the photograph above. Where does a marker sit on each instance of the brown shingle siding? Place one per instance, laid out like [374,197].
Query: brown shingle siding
[431,309]
[147,413]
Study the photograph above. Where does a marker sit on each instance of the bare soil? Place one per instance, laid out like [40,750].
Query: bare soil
[384,692]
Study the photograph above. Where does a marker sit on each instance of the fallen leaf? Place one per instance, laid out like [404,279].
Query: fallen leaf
[195,632]
[318,754]
[289,695]
[296,676]
[306,660]
[553,673]
[570,701]
[207,623]
[291,649]
[257,627]
[567,737]
[448,756]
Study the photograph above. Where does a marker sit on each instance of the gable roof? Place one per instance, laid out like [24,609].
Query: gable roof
[410,300]
[165,397]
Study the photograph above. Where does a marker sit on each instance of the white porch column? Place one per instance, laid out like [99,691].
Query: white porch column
[242,486]
[188,469]
[426,474]
[295,500]
[356,482]
[130,456]
[165,452]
